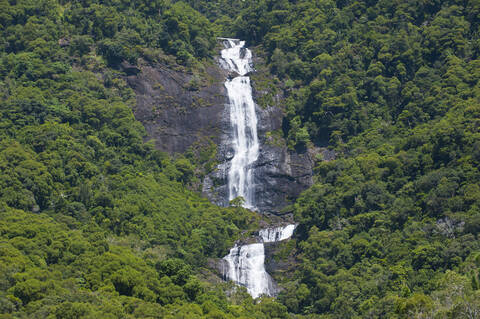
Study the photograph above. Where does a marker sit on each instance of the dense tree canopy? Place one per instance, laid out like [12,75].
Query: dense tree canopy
[96,223]
[390,228]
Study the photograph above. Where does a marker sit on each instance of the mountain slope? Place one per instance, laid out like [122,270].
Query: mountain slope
[93,221]
[390,228]
[96,223]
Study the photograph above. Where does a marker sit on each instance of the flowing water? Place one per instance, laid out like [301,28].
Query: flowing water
[243,120]
[271,235]
[245,264]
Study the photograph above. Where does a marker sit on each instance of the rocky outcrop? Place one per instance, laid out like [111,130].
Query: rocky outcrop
[280,174]
[280,265]
[179,109]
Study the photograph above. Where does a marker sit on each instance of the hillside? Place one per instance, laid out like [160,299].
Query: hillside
[390,227]
[94,222]
[97,222]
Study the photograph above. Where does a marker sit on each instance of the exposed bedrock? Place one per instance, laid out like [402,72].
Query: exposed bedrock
[177,112]
[177,108]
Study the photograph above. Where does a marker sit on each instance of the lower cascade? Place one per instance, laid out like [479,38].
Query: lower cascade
[245,264]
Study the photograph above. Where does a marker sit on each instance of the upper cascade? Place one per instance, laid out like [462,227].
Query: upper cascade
[271,235]
[236,57]
[243,120]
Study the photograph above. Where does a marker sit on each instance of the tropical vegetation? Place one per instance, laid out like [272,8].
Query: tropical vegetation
[97,223]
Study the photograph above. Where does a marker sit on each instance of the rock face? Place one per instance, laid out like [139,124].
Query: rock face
[178,109]
[177,113]
[280,174]
[278,267]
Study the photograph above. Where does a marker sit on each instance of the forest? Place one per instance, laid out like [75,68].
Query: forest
[97,223]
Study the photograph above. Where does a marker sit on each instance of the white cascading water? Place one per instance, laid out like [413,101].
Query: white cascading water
[271,235]
[245,265]
[243,119]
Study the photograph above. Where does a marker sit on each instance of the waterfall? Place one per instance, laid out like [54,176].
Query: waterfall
[271,235]
[236,57]
[245,264]
[243,119]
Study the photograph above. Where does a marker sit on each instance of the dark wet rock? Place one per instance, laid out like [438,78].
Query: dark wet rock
[281,174]
[218,266]
[214,271]
[231,75]
[129,69]
[243,52]
[175,117]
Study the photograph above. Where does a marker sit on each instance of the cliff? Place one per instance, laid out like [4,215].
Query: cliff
[179,109]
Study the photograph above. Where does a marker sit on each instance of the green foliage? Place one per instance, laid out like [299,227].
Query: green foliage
[361,63]
[187,33]
[95,223]
[399,210]
[393,88]
[118,30]
[237,202]
[49,270]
